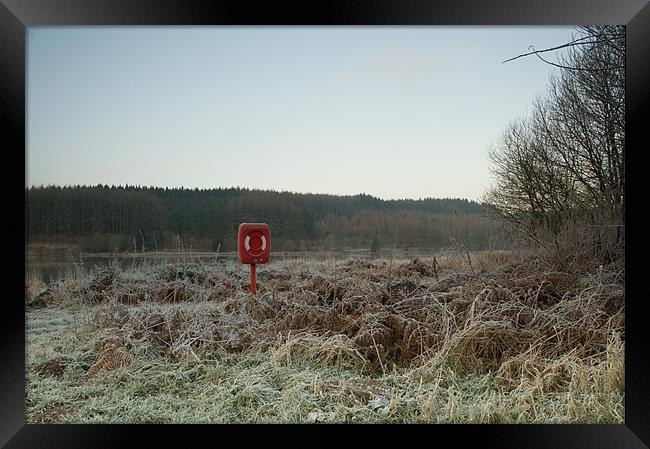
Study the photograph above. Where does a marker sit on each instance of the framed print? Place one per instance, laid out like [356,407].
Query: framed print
[448,188]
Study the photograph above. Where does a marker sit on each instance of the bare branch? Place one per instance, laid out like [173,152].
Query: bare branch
[576,42]
[569,44]
[536,53]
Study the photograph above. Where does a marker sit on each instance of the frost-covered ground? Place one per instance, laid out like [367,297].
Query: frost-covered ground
[505,339]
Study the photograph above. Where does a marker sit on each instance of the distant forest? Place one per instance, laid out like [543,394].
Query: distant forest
[129,218]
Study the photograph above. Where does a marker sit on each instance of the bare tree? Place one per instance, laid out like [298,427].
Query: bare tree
[565,160]
[585,118]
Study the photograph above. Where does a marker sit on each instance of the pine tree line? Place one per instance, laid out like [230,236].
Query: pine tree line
[104,218]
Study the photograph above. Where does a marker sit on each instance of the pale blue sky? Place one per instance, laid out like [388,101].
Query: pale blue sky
[395,112]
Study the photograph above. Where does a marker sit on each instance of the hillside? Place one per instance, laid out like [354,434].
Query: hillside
[126,218]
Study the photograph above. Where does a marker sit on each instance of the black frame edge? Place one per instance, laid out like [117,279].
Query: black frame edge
[634,13]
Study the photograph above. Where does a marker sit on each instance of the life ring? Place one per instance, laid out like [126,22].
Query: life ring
[247,244]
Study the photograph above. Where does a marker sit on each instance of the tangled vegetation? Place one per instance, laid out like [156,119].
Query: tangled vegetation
[495,338]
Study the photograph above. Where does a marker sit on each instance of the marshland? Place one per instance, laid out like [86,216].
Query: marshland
[487,337]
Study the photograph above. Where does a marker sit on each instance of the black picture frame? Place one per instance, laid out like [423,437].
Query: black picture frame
[17,15]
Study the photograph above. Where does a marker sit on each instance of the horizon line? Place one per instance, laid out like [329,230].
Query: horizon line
[139,186]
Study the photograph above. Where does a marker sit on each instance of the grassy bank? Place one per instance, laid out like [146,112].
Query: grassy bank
[504,340]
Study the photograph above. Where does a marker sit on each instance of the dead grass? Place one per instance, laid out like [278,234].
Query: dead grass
[528,334]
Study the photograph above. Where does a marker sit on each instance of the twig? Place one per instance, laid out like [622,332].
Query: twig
[580,41]
[378,356]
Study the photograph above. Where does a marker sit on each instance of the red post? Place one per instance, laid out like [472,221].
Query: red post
[253,280]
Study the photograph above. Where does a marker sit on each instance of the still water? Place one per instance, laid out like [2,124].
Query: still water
[47,264]
[52,263]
